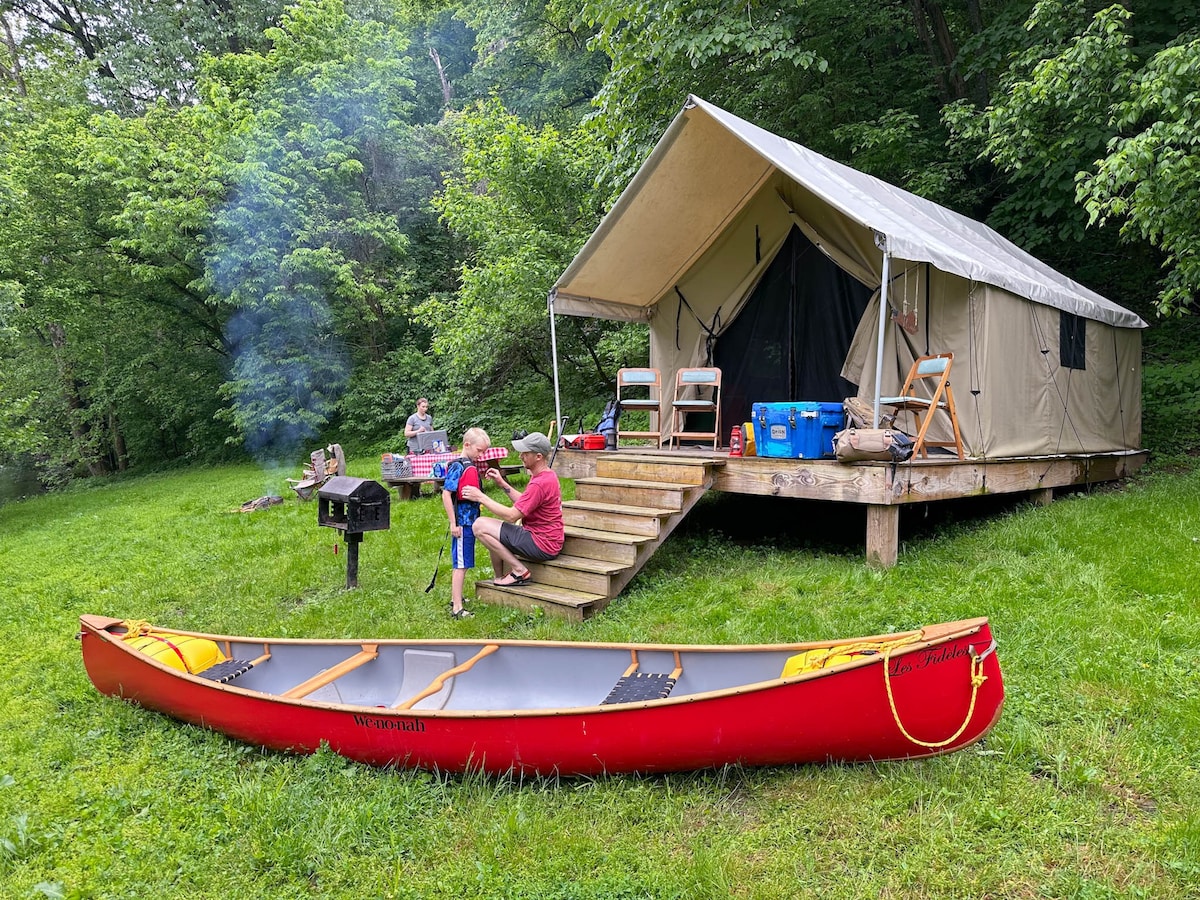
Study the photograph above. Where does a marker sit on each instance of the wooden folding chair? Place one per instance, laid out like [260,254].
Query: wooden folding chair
[924,368]
[689,381]
[635,378]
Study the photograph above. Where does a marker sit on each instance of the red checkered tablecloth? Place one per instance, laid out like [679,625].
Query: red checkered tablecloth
[423,463]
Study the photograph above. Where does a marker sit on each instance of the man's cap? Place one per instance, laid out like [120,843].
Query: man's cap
[536,442]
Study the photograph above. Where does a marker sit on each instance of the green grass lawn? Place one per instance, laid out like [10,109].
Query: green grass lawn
[1086,787]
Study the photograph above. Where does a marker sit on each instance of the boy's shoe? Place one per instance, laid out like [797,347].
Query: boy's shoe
[462,614]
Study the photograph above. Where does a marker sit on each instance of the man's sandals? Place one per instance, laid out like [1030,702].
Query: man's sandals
[513,579]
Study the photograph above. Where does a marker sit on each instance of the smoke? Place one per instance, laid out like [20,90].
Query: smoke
[288,371]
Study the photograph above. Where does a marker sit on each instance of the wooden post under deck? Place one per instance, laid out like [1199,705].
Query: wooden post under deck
[883,535]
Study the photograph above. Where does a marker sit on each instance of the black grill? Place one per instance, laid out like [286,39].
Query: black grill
[353,506]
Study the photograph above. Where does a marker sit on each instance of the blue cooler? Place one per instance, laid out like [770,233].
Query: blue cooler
[796,430]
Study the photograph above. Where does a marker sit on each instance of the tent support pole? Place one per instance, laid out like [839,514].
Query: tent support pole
[554,359]
[883,308]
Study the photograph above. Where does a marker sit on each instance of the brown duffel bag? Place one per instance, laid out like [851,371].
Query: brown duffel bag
[886,444]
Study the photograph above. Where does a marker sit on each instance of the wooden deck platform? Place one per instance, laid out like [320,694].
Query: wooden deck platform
[883,488]
[628,502]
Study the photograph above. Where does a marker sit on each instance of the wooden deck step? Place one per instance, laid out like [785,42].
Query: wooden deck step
[601,507]
[662,456]
[584,564]
[616,517]
[580,573]
[611,481]
[612,537]
[557,601]
[612,546]
[693,473]
[661,494]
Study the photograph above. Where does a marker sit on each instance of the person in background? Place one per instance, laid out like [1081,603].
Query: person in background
[462,513]
[538,509]
[421,420]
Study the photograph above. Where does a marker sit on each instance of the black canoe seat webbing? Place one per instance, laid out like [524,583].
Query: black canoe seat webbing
[636,687]
[640,686]
[225,672]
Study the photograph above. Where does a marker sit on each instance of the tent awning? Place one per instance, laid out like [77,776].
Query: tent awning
[709,164]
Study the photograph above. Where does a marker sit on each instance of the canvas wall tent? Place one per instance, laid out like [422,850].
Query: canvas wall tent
[693,246]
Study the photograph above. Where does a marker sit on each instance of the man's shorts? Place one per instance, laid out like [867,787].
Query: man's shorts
[517,539]
[462,550]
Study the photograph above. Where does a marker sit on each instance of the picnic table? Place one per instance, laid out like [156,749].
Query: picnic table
[422,465]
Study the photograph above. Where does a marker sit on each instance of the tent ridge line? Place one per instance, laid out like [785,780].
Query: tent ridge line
[1025,277]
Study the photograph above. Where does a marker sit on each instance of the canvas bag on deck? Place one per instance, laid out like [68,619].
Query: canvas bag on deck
[857,444]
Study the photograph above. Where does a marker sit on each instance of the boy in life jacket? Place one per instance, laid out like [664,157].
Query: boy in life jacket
[462,514]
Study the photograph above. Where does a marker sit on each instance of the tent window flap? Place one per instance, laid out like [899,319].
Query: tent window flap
[1072,341]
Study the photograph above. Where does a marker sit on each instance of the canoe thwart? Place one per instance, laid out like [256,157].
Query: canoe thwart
[436,684]
[333,673]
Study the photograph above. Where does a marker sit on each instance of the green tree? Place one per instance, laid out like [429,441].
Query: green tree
[534,56]
[1150,178]
[525,201]
[117,358]
[860,81]
[309,253]
[1092,122]
[134,52]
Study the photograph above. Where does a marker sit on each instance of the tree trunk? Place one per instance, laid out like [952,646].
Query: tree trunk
[75,405]
[980,85]
[14,73]
[119,450]
[940,47]
[447,90]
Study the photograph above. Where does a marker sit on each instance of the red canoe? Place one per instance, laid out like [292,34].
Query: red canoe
[541,707]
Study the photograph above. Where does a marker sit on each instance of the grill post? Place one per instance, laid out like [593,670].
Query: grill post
[352,541]
[353,506]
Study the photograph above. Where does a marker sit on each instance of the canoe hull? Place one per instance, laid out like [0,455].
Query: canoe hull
[834,716]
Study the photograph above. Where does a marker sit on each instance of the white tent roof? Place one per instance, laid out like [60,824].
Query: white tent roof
[710,163]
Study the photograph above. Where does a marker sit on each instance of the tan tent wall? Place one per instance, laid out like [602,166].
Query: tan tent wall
[1014,398]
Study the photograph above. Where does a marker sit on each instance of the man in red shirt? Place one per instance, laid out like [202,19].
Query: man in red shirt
[538,510]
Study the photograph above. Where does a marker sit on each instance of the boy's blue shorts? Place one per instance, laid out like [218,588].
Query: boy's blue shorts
[462,550]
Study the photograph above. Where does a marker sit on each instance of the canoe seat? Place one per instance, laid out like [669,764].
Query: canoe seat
[421,667]
[640,686]
[225,672]
[637,687]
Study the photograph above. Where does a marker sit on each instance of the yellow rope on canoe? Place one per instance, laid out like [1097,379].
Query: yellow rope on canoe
[136,628]
[977,678]
[814,659]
